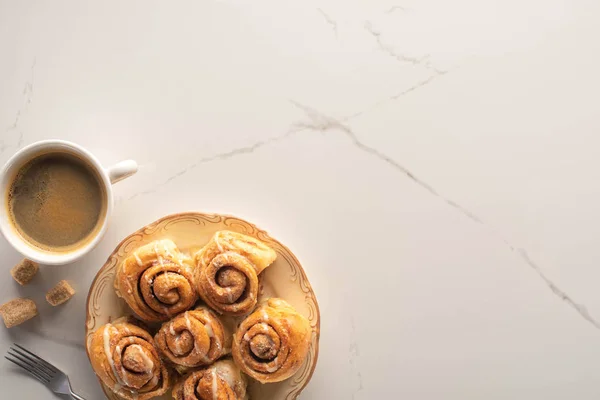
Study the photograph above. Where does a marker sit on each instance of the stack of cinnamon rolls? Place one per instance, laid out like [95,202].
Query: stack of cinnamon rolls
[199,329]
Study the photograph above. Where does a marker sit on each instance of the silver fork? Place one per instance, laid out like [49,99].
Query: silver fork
[48,374]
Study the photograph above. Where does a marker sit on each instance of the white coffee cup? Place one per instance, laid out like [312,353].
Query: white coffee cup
[107,177]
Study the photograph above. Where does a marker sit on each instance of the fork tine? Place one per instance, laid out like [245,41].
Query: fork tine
[33,361]
[31,365]
[44,362]
[36,376]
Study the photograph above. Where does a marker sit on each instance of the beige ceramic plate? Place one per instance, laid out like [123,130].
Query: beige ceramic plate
[190,231]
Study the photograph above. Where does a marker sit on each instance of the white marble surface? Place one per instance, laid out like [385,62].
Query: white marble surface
[434,165]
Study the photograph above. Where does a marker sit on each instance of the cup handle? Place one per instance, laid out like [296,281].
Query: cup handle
[122,170]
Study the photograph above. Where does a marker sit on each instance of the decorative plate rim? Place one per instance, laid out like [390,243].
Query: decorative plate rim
[141,231]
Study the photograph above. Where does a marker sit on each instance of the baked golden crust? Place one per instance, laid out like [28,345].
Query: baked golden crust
[227,270]
[220,381]
[125,359]
[194,338]
[156,281]
[271,344]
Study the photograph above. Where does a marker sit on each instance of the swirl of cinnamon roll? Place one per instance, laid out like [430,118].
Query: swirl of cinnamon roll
[271,344]
[227,270]
[125,359]
[194,338]
[220,381]
[156,281]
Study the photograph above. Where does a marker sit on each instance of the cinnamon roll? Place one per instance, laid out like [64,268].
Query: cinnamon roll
[272,342]
[125,359]
[227,270]
[194,338]
[156,281]
[220,381]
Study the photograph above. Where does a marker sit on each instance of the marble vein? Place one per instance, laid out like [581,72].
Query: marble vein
[419,85]
[28,97]
[15,123]
[321,122]
[326,125]
[329,21]
[580,308]
[354,354]
[220,156]
[389,50]
[396,8]
[318,121]
[436,74]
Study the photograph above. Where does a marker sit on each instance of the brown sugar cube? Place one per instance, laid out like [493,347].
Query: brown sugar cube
[24,271]
[17,311]
[60,293]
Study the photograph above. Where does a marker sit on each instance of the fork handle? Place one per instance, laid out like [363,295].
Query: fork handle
[76,396]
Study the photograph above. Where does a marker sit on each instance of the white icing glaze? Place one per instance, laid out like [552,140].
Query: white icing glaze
[161,261]
[118,382]
[205,259]
[209,330]
[154,380]
[147,361]
[177,342]
[264,315]
[167,252]
[125,381]
[264,328]
[166,274]
[129,287]
[109,357]
[188,324]
[215,387]
[272,369]
[217,239]
[138,259]
[229,295]
[227,373]
[158,255]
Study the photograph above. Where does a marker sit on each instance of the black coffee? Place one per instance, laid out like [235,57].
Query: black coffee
[56,201]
